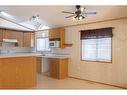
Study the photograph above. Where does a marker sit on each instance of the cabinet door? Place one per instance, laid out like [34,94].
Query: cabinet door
[54,34]
[9,34]
[28,39]
[54,68]
[39,61]
[19,72]
[32,39]
[1,36]
[19,37]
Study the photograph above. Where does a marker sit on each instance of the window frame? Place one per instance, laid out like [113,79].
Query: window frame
[95,60]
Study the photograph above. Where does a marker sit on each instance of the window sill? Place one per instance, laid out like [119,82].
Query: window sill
[97,61]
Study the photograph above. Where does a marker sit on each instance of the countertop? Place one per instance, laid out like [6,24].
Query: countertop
[33,54]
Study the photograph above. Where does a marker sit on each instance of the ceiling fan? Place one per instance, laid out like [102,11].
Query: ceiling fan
[79,13]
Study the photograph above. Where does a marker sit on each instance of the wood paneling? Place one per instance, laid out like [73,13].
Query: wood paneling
[59,68]
[17,72]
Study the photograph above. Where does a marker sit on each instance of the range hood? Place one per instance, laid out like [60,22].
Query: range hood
[10,40]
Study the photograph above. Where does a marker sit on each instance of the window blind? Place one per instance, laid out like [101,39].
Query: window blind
[96,33]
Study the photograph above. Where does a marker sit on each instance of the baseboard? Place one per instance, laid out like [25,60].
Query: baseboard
[97,82]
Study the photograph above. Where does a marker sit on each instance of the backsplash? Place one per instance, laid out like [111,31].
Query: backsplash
[59,51]
[16,50]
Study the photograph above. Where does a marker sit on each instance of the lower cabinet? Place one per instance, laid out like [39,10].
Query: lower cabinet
[17,73]
[39,62]
[58,68]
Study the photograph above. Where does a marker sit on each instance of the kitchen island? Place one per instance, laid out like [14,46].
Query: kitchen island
[18,71]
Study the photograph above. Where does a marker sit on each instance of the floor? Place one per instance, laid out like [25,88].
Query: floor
[45,82]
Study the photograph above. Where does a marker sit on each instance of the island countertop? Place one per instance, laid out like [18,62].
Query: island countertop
[33,54]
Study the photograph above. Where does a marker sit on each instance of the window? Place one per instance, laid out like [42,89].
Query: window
[42,41]
[96,49]
[96,46]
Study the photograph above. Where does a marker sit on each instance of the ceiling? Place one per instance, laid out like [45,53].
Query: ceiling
[52,16]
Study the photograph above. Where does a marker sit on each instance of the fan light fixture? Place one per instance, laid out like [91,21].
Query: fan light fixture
[78,17]
[79,14]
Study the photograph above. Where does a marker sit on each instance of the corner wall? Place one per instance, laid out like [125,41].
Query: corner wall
[114,73]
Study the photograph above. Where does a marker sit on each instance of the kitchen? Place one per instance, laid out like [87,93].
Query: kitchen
[31,53]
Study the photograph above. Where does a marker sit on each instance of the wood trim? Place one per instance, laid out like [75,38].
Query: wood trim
[97,82]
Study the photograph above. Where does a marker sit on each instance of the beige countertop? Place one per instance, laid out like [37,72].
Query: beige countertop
[18,55]
[54,56]
[32,54]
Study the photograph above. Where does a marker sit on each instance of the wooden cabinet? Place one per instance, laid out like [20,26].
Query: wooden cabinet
[39,61]
[59,68]
[58,34]
[19,37]
[12,34]
[25,39]
[28,39]
[9,34]
[1,36]
[17,72]
[54,34]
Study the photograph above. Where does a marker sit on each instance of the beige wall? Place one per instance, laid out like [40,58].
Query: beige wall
[115,73]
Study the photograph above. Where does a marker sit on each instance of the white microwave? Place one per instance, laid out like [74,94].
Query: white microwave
[54,44]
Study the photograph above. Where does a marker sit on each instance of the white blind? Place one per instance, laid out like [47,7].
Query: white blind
[96,49]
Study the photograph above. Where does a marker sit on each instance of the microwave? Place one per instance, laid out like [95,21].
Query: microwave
[54,44]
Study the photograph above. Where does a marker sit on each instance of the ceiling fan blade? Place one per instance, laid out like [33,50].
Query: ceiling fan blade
[69,16]
[67,12]
[90,13]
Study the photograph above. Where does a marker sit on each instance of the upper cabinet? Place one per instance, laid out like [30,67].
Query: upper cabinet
[12,34]
[25,39]
[57,34]
[1,36]
[28,39]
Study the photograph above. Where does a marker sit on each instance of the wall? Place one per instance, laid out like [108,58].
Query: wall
[114,73]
